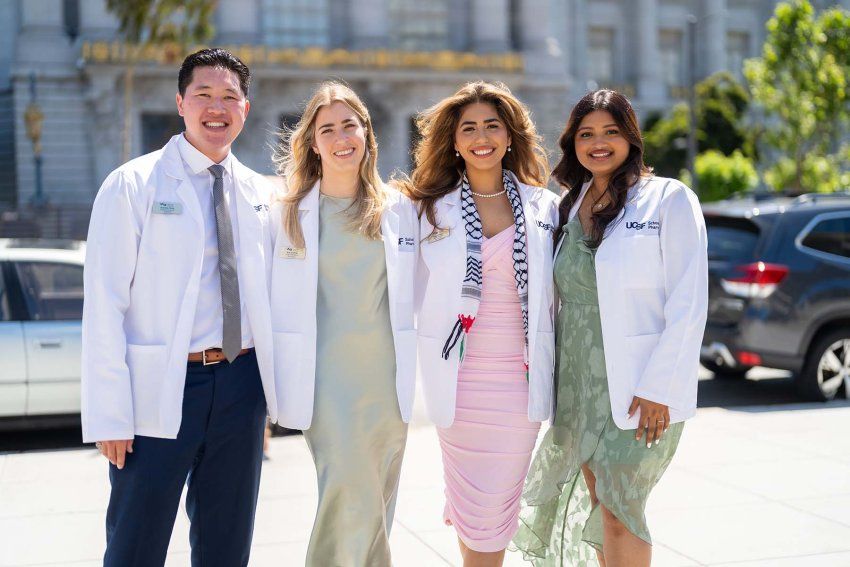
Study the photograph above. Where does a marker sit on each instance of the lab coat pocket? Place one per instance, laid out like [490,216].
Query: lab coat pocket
[642,266]
[644,311]
[438,378]
[147,365]
[639,350]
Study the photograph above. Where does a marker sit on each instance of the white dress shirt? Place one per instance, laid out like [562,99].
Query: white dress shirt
[209,316]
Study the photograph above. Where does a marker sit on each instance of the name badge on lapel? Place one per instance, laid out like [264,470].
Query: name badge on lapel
[164,208]
[406,244]
[290,253]
[438,234]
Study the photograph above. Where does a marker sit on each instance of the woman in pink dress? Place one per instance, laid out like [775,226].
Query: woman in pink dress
[484,303]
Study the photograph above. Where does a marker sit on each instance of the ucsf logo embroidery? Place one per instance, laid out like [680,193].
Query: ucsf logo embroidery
[406,243]
[262,207]
[546,226]
[646,225]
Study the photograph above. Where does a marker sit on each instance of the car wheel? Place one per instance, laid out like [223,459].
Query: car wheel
[827,368]
[725,372]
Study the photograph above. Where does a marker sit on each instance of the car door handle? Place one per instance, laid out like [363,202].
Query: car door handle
[49,343]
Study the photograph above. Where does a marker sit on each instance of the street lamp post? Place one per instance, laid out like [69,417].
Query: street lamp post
[34,119]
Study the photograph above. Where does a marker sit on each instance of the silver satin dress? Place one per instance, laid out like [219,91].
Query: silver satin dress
[357,436]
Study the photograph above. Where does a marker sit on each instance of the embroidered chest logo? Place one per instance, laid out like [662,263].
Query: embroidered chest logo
[646,225]
[263,207]
[546,226]
[406,243]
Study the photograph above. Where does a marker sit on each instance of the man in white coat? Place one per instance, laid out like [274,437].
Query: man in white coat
[177,373]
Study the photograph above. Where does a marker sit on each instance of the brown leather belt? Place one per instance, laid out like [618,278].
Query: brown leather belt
[213,356]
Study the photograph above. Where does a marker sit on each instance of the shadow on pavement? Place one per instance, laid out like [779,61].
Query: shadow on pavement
[46,439]
[51,437]
[766,391]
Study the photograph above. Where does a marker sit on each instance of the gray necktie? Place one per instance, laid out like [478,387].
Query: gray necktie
[231,340]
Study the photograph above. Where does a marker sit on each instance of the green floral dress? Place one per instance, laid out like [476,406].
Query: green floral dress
[557,515]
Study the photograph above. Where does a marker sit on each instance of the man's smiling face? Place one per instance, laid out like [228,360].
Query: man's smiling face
[214,109]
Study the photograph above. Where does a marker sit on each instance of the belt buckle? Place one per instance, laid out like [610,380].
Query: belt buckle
[204,359]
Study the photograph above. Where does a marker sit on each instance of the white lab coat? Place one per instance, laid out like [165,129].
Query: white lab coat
[294,281]
[439,281]
[142,273]
[652,282]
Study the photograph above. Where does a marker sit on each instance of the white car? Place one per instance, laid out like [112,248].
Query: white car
[41,306]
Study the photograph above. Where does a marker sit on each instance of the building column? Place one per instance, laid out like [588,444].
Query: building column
[579,43]
[369,24]
[42,36]
[650,86]
[711,36]
[490,26]
[533,25]
[237,22]
[537,40]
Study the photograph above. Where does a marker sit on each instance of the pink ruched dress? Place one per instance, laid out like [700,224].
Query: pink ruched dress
[487,450]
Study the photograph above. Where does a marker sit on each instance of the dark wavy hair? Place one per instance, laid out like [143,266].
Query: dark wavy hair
[571,174]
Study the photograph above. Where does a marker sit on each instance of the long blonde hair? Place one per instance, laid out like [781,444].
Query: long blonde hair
[301,168]
[437,170]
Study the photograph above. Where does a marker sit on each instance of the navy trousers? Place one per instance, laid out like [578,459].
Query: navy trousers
[218,451]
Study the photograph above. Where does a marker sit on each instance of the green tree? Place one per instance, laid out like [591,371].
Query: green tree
[157,22]
[722,103]
[802,81]
[720,175]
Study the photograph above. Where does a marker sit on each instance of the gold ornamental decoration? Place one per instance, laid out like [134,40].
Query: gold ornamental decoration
[116,52]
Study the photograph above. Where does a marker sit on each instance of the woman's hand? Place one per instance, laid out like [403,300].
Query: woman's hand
[654,419]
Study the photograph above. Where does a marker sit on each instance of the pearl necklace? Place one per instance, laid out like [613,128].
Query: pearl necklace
[488,195]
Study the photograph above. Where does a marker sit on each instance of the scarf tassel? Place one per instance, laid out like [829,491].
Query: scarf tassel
[454,336]
[459,332]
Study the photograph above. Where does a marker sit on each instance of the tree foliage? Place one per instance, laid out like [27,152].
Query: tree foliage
[722,103]
[164,21]
[720,175]
[802,82]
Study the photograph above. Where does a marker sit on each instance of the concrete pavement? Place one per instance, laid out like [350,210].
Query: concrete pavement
[754,486]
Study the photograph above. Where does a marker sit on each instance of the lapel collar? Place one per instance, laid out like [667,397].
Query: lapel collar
[577,204]
[250,225]
[448,209]
[309,216]
[174,168]
[534,235]
[390,235]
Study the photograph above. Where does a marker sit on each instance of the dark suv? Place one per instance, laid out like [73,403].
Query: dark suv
[779,289]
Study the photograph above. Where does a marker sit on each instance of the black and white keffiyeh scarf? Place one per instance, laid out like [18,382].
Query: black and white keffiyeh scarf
[474,278]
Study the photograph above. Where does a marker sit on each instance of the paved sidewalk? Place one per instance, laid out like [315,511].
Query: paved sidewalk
[753,486]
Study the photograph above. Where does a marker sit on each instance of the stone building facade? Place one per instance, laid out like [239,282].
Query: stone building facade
[400,55]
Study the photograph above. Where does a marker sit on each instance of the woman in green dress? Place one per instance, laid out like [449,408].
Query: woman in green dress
[342,314]
[631,275]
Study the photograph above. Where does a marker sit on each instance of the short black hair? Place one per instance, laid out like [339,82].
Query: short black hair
[213,57]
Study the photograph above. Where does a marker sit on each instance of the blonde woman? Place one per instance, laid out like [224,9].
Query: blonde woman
[485,302]
[345,248]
